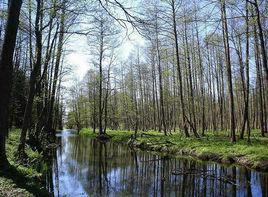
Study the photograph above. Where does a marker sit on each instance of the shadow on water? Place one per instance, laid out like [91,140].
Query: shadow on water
[87,167]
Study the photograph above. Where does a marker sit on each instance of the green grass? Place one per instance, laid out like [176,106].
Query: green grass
[117,136]
[20,180]
[214,146]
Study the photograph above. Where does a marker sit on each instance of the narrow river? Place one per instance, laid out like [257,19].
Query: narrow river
[86,167]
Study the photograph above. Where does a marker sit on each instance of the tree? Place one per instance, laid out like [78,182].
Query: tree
[189,65]
[33,81]
[229,69]
[6,71]
[261,37]
[104,43]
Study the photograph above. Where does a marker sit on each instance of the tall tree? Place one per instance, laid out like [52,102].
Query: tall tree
[175,33]
[6,71]
[33,80]
[228,68]
[261,37]
[49,126]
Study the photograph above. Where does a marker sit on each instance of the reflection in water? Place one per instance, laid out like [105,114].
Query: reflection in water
[86,167]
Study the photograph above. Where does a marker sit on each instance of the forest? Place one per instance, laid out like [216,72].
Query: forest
[170,77]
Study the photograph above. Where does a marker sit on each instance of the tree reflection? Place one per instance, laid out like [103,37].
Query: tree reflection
[106,169]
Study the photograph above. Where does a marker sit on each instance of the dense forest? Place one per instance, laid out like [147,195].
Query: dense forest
[202,67]
[196,68]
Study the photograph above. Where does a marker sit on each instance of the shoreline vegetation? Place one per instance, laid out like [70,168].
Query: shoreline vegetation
[26,180]
[22,180]
[213,147]
[189,66]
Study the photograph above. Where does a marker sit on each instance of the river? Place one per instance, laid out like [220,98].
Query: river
[86,167]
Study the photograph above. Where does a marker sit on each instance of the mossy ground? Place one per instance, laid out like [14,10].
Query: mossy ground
[214,146]
[21,180]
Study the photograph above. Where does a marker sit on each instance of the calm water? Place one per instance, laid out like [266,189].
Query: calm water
[86,167]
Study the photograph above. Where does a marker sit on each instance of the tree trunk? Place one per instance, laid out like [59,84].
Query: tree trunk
[229,70]
[246,113]
[243,84]
[94,109]
[33,81]
[192,103]
[185,129]
[201,70]
[259,82]
[49,128]
[6,70]
[263,47]
[106,100]
[100,83]
[162,109]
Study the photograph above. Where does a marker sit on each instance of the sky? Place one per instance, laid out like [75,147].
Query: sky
[78,53]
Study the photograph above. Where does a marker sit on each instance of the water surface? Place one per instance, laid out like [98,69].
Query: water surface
[87,167]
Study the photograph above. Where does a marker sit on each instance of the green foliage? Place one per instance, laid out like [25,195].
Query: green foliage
[19,176]
[71,120]
[18,98]
[9,188]
[87,132]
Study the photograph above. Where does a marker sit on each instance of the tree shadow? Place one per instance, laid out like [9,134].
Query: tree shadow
[31,184]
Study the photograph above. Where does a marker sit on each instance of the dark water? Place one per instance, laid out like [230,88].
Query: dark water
[86,167]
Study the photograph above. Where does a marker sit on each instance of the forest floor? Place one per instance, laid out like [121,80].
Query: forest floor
[21,180]
[213,147]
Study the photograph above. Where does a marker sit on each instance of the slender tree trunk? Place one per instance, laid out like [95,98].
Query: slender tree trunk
[243,84]
[33,81]
[229,70]
[163,121]
[185,129]
[261,36]
[141,93]
[201,70]
[192,103]
[136,115]
[162,109]
[154,95]
[100,85]
[106,100]
[94,109]
[246,114]
[49,127]
[259,93]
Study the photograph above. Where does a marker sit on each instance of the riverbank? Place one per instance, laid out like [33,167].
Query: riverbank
[214,147]
[22,180]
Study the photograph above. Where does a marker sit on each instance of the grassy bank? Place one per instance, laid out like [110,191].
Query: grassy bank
[215,146]
[22,180]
